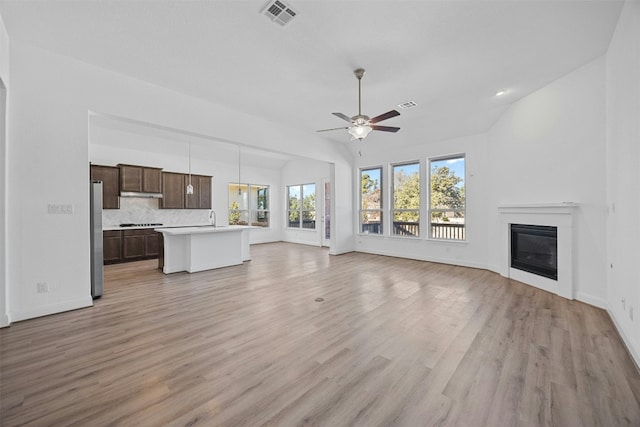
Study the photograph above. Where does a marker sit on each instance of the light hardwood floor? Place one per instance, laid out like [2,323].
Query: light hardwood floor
[395,342]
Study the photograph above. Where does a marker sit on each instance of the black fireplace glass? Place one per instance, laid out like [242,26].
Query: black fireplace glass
[534,249]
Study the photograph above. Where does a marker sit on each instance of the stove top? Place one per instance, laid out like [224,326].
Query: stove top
[149,224]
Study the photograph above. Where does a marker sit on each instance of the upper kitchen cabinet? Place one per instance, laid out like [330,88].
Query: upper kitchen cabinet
[173,191]
[201,197]
[110,177]
[139,179]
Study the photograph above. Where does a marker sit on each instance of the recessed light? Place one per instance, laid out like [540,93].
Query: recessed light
[500,93]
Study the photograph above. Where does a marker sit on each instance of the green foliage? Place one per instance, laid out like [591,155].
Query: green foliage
[370,192]
[234,213]
[309,202]
[261,202]
[294,209]
[406,195]
[308,207]
[445,191]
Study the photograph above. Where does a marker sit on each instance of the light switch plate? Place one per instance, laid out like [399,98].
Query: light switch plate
[60,209]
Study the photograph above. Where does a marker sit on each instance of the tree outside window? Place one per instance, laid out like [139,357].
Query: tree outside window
[447,198]
[249,204]
[301,206]
[406,199]
[371,201]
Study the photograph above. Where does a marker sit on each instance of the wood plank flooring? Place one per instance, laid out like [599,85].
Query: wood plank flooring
[394,343]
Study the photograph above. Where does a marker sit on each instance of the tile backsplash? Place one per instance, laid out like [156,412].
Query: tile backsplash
[136,210]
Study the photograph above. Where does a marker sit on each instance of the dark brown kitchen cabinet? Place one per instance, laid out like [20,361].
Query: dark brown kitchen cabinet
[110,177]
[130,245]
[112,246]
[201,197]
[173,191]
[152,244]
[151,180]
[140,179]
[138,244]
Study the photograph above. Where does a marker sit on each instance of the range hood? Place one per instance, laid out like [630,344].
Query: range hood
[141,194]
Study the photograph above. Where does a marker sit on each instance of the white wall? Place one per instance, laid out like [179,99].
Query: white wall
[4,84]
[623,176]
[48,114]
[471,253]
[304,172]
[550,147]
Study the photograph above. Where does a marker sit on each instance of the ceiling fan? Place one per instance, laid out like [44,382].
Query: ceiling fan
[361,125]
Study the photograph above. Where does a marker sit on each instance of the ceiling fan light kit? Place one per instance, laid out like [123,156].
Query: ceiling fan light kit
[362,125]
[360,131]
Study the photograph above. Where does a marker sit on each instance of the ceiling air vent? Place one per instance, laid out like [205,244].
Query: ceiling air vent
[279,12]
[408,104]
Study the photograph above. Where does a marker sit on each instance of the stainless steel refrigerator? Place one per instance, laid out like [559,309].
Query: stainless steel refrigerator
[95,223]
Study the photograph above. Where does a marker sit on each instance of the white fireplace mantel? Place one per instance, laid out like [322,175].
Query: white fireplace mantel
[558,215]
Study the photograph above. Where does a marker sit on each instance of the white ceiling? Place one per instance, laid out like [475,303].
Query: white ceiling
[450,57]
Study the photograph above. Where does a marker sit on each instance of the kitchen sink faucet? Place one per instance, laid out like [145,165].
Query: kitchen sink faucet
[212,217]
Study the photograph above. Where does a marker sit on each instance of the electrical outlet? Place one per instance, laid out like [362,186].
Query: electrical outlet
[42,287]
[631,313]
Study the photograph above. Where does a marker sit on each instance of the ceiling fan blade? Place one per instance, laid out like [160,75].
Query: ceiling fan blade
[386,128]
[326,130]
[342,116]
[384,116]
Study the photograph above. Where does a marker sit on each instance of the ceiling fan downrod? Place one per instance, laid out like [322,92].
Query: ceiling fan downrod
[359,75]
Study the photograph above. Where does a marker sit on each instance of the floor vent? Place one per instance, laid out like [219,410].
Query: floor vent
[279,12]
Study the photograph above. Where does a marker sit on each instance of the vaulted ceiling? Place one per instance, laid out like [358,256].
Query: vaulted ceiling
[449,57]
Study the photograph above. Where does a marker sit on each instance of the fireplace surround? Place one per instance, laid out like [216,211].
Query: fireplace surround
[557,215]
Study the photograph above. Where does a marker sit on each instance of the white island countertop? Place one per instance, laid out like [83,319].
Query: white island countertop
[205,247]
[198,229]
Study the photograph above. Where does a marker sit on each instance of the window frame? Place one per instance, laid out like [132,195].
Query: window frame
[393,209]
[431,210]
[248,212]
[379,210]
[301,211]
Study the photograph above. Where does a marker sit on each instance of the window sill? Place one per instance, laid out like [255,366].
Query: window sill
[416,238]
[371,234]
[455,242]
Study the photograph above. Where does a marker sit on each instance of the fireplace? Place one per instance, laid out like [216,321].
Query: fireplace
[558,216]
[534,249]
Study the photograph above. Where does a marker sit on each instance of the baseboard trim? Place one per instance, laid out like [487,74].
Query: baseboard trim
[46,310]
[591,300]
[628,342]
[5,321]
[427,259]
[302,242]
[345,251]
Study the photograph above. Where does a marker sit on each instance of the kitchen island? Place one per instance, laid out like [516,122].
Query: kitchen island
[200,248]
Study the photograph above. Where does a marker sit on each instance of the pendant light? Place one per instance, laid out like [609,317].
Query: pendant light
[189,186]
[239,190]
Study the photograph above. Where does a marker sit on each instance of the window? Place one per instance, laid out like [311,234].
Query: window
[371,201]
[301,206]
[249,204]
[260,205]
[406,199]
[447,198]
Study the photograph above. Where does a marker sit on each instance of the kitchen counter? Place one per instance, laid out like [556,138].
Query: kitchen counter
[141,227]
[199,248]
